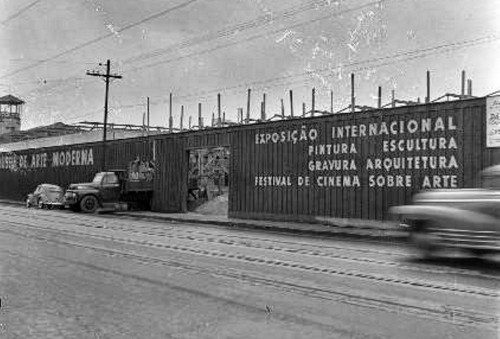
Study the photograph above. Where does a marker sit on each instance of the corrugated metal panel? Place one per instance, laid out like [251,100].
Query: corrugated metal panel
[170,193]
[63,165]
[207,138]
[454,135]
[292,161]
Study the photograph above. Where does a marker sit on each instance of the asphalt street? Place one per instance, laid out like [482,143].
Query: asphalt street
[70,275]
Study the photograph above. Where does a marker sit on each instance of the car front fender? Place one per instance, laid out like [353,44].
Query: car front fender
[444,215]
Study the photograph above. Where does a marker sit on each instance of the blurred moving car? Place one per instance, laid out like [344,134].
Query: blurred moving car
[46,196]
[465,219]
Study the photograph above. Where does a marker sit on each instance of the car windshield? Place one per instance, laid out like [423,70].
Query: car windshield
[54,189]
[98,178]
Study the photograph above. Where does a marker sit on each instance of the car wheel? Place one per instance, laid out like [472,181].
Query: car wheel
[424,241]
[89,204]
[479,253]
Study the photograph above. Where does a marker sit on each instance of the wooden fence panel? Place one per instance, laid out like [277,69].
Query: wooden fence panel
[356,165]
[345,165]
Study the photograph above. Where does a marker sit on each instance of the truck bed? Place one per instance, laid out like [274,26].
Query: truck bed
[138,186]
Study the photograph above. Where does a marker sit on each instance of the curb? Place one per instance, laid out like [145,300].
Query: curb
[344,232]
[331,231]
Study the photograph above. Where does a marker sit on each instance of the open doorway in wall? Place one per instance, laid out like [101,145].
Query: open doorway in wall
[208,180]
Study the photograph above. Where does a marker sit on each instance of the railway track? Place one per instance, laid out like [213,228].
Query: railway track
[259,243]
[455,315]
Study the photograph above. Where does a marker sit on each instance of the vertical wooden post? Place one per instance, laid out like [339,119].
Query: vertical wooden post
[200,119]
[353,98]
[223,117]
[379,97]
[428,96]
[148,113]
[143,123]
[393,100]
[240,115]
[219,121]
[303,109]
[291,103]
[282,109]
[331,101]
[170,118]
[181,124]
[469,87]
[190,122]
[248,106]
[213,119]
[263,110]
[462,93]
[313,99]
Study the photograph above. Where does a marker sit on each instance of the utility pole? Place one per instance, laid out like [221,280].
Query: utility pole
[106,77]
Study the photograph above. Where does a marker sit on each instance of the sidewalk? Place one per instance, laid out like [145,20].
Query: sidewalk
[324,226]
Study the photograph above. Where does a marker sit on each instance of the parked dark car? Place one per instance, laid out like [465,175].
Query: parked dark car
[46,196]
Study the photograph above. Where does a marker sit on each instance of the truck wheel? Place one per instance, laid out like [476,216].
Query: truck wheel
[89,204]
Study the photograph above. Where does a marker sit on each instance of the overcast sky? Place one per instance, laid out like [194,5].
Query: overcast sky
[198,48]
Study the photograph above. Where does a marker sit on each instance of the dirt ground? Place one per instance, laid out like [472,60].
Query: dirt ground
[216,206]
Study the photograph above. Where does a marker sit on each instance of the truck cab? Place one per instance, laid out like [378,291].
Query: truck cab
[110,186]
[108,190]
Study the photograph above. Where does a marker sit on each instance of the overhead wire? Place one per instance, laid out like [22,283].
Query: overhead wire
[100,38]
[294,10]
[388,60]
[409,54]
[230,30]
[19,12]
[258,36]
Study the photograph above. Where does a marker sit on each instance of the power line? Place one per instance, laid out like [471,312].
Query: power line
[102,37]
[259,21]
[190,42]
[390,59]
[229,31]
[291,11]
[255,37]
[21,11]
[41,81]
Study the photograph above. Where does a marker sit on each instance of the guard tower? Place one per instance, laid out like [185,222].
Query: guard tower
[10,114]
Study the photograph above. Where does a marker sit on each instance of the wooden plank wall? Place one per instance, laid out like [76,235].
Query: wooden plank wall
[170,190]
[291,161]
[18,182]
[457,130]
[171,152]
